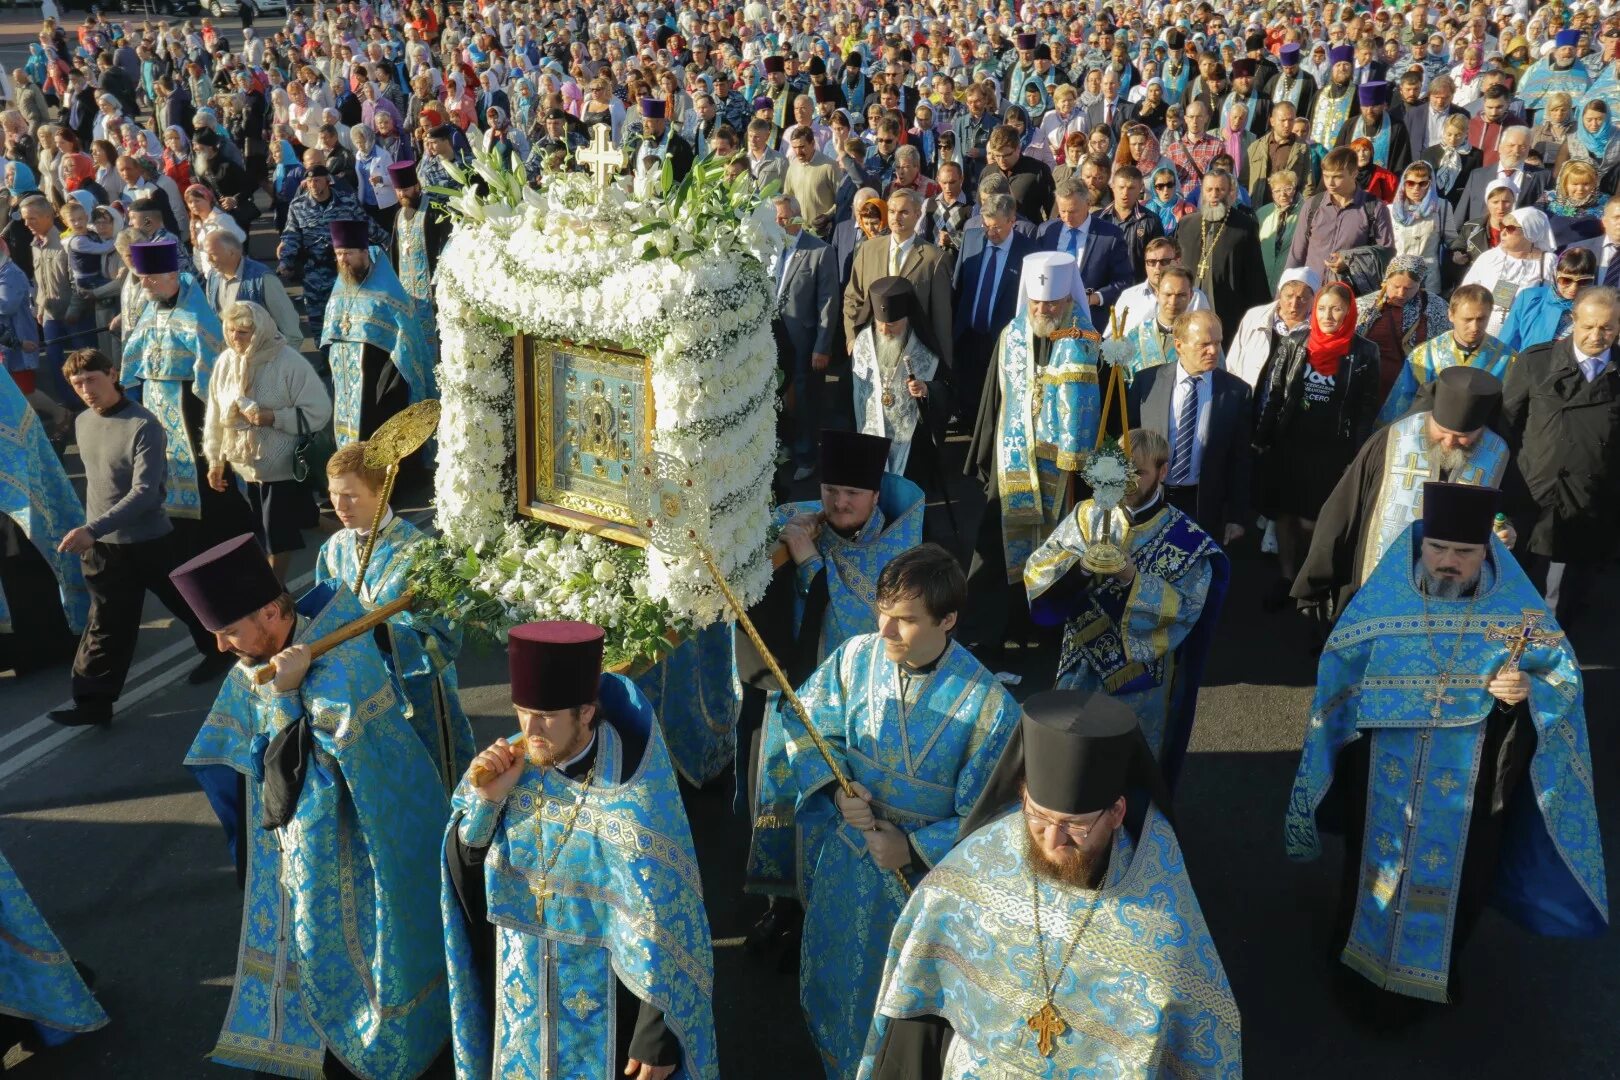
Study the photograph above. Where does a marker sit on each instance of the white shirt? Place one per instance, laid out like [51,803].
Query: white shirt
[1183,387]
[1137,304]
[1606,256]
[1591,366]
[1511,177]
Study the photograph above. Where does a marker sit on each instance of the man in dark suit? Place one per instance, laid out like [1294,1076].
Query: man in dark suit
[806,292]
[1112,111]
[1424,119]
[903,253]
[1205,414]
[79,113]
[1511,152]
[1561,419]
[1104,255]
[986,294]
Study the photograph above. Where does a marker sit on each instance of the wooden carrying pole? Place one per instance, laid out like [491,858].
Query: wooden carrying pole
[365,624]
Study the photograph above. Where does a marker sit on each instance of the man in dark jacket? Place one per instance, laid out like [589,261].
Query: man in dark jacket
[1561,414]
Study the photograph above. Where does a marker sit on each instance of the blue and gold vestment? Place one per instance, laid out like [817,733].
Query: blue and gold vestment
[340,945]
[852,566]
[696,696]
[1425,363]
[36,494]
[378,313]
[1378,680]
[924,746]
[626,906]
[422,647]
[1144,996]
[38,982]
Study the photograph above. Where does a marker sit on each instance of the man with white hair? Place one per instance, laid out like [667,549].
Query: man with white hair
[1038,418]
[1529,183]
[1287,316]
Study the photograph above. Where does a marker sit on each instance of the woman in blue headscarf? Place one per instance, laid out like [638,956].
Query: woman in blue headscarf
[1164,198]
[1593,140]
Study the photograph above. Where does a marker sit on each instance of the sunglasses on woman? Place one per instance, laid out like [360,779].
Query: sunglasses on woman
[1164,187]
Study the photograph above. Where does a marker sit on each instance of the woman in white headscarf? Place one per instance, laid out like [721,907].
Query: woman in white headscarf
[1522,258]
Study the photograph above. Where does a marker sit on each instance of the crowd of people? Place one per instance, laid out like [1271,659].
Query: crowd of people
[1333,290]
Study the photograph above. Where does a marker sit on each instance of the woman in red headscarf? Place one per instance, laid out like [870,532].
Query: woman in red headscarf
[1318,403]
[1372,177]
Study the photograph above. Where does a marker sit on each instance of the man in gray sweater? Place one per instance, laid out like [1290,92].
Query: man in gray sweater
[127,542]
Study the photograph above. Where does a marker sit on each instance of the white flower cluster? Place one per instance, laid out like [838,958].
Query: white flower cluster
[1119,352]
[572,268]
[558,574]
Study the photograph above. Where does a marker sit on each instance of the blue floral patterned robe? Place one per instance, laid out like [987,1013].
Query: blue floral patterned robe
[1144,644]
[626,906]
[924,748]
[1428,360]
[341,935]
[696,696]
[1544,79]
[36,494]
[38,981]
[1149,351]
[422,648]
[852,567]
[1144,996]
[377,313]
[172,352]
[1378,680]
[415,276]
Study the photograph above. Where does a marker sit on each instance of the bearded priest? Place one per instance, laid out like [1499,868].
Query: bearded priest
[1462,767]
[1037,421]
[574,923]
[1062,939]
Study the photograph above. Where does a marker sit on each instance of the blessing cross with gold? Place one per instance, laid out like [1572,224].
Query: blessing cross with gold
[601,156]
[1047,1026]
[1521,637]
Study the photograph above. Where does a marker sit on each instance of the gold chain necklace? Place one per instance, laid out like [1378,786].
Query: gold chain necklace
[541,889]
[1046,1022]
[1207,245]
[1447,670]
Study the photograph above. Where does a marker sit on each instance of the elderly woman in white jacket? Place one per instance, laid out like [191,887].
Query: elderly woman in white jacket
[260,387]
[1522,258]
[1289,314]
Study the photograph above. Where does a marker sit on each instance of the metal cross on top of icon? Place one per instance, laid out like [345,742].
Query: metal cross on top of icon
[601,156]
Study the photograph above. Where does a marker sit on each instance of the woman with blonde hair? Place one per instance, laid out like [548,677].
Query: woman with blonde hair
[261,394]
[1063,119]
[1575,205]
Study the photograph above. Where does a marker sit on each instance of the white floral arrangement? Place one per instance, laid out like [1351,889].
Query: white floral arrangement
[1119,352]
[682,279]
[1110,472]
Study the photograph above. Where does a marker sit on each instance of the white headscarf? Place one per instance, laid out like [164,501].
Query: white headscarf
[1536,228]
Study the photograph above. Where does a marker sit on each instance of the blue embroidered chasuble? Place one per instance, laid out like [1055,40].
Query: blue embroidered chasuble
[1046,427]
[1425,363]
[172,351]
[422,648]
[38,981]
[1144,643]
[36,494]
[924,746]
[1377,680]
[1544,79]
[1144,996]
[410,234]
[1150,350]
[1407,466]
[696,696]
[1329,114]
[625,904]
[852,566]
[340,923]
[377,313]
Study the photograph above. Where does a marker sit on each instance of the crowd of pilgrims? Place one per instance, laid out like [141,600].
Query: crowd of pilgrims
[1339,285]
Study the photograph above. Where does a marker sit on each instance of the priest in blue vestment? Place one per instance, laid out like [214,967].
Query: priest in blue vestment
[170,352]
[1462,769]
[378,344]
[825,594]
[416,242]
[916,724]
[577,942]
[420,646]
[43,599]
[1061,939]
[44,999]
[326,795]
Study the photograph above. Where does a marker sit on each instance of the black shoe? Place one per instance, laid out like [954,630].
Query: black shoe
[210,668]
[84,714]
[776,936]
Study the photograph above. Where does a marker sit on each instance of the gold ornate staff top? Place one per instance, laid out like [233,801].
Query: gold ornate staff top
[400,436]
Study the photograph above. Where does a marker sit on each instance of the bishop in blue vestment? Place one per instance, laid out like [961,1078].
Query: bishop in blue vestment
[1141,634]
[422,646]
[327,795]
[379,352]
[577,942]
[1062,939]
[43,997]
[916,724]
[1464,777]
[838,547]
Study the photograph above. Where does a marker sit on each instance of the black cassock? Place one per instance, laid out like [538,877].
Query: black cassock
[1234,280]
[40,634]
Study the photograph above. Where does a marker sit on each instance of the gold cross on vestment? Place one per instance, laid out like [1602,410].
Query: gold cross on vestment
[601,156]
[542,892]
[1410,471]
[1521,637]
[1047,1026]
[1440,697]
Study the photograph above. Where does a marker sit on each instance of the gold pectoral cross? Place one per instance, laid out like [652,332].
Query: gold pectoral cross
[1521,637]
[1440,697]
[1047,1026]
[542,892]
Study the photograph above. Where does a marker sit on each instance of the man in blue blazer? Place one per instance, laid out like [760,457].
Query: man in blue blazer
[1104,254]
[806,303]
[985,294]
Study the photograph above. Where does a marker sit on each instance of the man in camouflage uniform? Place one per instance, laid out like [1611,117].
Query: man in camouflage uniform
[305,252]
